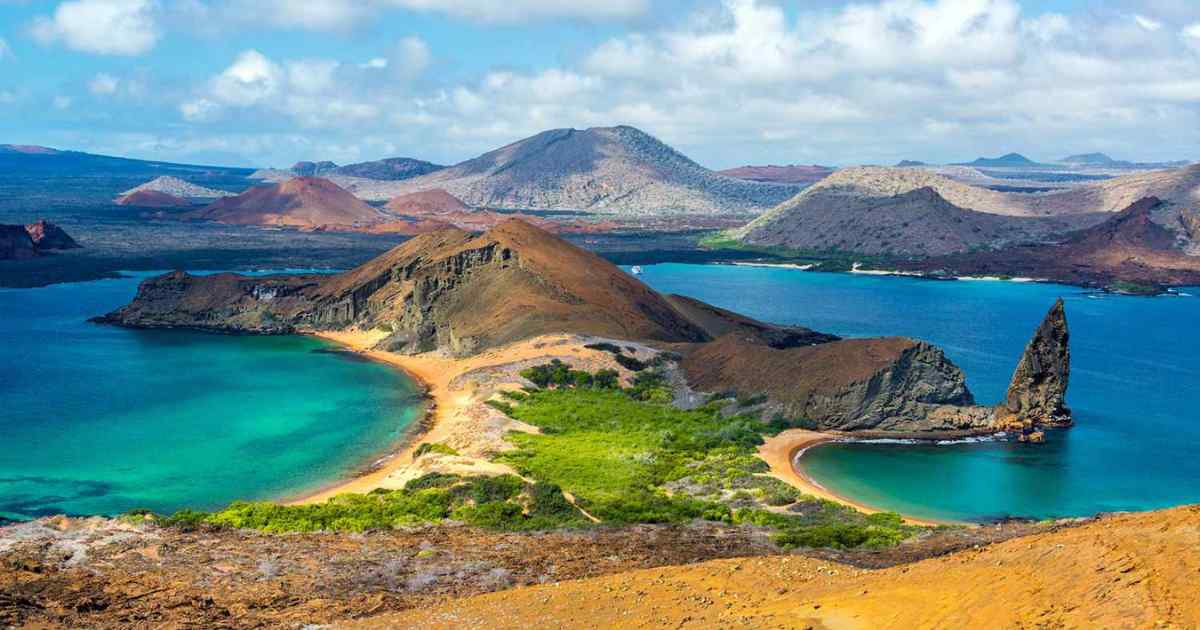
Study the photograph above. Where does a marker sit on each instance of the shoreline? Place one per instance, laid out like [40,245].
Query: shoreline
[373,476]
[781,453]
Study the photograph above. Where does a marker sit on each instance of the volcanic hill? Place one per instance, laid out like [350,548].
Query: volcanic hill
[612,170]
[885,211]
[302,202]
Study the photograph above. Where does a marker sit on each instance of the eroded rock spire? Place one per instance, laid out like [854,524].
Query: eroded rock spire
[1037,393]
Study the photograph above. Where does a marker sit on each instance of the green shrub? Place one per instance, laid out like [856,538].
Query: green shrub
[433,447]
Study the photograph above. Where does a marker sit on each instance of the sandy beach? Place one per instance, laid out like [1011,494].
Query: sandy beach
[780,454]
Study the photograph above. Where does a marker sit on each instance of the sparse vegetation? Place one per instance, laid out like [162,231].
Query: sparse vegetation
[503,503]
[433,447]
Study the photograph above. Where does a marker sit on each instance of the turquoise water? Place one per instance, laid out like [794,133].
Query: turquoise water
[99,420]
[1135,389]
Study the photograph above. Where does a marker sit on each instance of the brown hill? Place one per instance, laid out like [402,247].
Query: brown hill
[449,290]
[1125,571]
[152,199]
[789,174]
[303,202]
[1130,246]
[426,202]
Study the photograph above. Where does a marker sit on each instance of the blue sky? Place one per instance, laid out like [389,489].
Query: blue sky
[269,82]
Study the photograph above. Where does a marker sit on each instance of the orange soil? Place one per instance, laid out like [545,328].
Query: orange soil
[1124,571]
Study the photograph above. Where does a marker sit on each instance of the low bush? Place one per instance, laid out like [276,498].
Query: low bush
[433,447]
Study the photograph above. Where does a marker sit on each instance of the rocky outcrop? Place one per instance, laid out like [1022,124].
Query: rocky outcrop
[892,384]
[1037,394]
[46,235]
[19,242]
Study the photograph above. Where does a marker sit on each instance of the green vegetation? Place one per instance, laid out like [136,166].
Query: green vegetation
[505,503]
[628,456]
[1134,288]
[433,447]
[560,374]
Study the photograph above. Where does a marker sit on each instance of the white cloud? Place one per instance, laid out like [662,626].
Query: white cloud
[252,78]
[104,84]
[410,58]
[512,11]
[1191,33]
[105,27]
[61,102]
[5,50]
[1149,24]
[870,81]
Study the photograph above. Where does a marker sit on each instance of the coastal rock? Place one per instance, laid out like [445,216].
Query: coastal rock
[1037,393]
[888,384]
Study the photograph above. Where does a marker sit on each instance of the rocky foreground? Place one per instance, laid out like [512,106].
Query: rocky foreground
[125,573]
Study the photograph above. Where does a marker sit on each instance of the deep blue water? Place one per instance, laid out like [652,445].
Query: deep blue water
[1135,389]
[98,420]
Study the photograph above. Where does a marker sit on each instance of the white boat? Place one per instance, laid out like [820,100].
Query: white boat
[636,270]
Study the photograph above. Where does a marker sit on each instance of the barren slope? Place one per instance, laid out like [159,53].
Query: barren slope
[1128,571]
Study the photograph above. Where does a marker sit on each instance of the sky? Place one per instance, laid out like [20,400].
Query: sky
[728,82]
